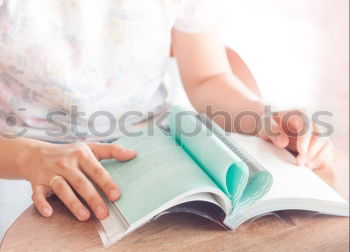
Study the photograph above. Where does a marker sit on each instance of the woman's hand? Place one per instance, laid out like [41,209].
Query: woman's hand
[64,170]
[294,131]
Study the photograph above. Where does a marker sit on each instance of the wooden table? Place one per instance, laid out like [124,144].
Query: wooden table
[299,231]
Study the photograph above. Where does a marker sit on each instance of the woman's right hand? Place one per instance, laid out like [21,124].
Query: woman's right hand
[64,169]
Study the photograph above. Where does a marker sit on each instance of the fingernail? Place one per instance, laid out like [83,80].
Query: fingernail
[302,160]
[304,148]
[113,194]
[100,212]
[280,141]
[311,164]
[132,152]
[47,212]
[82,214]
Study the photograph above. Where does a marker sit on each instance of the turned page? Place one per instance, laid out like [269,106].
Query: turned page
[228,171]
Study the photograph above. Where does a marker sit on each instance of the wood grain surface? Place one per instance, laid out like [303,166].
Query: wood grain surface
[286,231]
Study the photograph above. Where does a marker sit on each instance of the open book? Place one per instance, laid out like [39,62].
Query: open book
[194,166]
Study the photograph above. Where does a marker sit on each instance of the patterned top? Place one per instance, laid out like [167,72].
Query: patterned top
[73,58]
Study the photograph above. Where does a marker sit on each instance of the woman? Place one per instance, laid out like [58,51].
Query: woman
[75,58]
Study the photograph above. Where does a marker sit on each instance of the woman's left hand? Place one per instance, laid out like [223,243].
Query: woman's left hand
[295,131]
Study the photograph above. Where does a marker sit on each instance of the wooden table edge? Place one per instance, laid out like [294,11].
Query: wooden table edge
[13,223]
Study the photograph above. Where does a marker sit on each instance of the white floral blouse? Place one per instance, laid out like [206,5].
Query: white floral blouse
[97,55]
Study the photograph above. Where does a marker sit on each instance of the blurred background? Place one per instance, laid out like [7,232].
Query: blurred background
[298,51]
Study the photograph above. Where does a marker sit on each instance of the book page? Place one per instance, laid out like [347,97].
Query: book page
[161,171]
[260,179]
[228,171]
[289,180]
[293,188]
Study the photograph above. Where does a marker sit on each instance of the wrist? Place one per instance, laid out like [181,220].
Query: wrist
[27,157]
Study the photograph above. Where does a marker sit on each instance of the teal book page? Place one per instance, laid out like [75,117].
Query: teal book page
[161,172]
[260,179]
[258,185]
[228,171]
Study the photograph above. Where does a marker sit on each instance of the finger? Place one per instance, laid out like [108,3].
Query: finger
[273,131]
[316,144]
[322,157]
[88,192]
[300,128]
[68,197]
[108,151]
[92,167]
[40,193]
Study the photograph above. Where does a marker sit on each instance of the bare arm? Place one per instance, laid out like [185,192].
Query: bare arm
[208,78]
[242,71]
[211,78]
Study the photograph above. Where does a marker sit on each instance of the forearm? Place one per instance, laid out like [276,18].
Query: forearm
[14,156]
[241,70]
[211,76]
[225,97]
